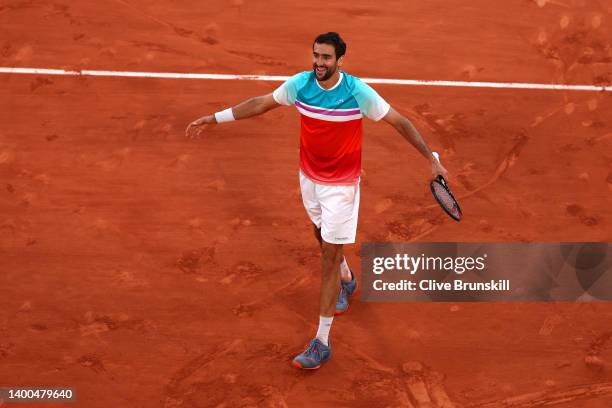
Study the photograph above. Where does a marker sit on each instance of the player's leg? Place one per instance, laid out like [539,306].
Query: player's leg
[314,213]
[339,214]
[331,255]
[345,272]
[333,211]
[318,351]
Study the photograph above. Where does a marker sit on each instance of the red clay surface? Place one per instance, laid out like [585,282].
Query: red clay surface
[145,270]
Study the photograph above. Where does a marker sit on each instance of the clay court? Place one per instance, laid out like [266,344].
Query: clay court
[147,270]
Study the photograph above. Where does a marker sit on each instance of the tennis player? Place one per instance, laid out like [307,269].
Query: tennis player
[331,104]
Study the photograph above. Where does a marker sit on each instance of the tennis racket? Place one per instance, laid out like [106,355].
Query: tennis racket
[444,197]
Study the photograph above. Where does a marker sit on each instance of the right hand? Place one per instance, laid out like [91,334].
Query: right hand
[196,127]
[436,166]
[438,170]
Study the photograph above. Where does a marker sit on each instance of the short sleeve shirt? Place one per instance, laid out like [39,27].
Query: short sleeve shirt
[331,124]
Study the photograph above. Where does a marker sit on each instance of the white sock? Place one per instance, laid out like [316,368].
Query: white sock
[324,327]
[345,272]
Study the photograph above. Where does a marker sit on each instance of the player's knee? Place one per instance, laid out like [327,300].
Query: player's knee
[331,251]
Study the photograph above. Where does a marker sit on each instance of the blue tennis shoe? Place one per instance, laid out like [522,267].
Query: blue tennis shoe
[346,290]
[316,354]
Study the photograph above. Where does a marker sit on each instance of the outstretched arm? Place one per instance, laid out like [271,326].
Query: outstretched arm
[409,132]
[251,107]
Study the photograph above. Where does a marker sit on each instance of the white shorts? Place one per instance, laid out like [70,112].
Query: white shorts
[334,209]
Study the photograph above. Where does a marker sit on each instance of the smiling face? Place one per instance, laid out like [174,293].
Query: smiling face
[324,62]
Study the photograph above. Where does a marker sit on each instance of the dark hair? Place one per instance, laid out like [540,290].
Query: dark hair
[334,39]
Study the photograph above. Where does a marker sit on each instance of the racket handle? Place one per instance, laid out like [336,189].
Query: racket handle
[437,156]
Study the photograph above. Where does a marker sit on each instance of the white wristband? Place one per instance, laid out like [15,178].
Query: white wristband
[225,116]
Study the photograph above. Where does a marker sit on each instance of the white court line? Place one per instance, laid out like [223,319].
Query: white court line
[415,82]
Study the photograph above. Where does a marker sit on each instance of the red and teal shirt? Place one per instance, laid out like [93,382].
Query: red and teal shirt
[331,124]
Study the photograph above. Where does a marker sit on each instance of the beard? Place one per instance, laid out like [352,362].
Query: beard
[328,72]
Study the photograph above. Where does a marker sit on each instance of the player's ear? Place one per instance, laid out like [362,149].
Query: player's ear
[340,61]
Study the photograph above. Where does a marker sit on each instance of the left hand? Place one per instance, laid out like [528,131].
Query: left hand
[198,126]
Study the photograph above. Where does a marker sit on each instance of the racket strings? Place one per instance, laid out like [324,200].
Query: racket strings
[445,199]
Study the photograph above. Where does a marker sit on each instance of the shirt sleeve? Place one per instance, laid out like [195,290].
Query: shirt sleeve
[287,92]
[372,105]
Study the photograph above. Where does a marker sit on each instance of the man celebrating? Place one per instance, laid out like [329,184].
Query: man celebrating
[332,104]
